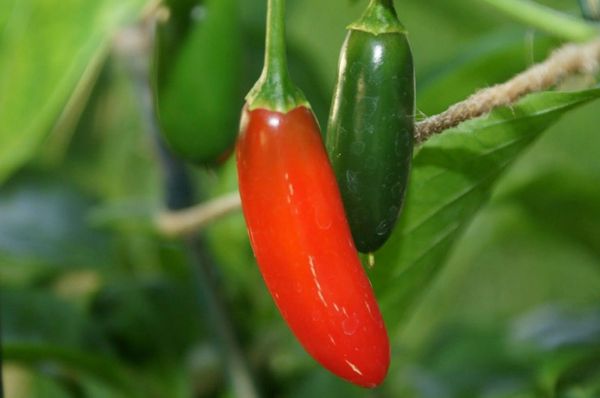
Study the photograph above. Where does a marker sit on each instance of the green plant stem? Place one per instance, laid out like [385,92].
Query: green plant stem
[546,19]
[275,49]
[274,89]
[243,384]
[379,17]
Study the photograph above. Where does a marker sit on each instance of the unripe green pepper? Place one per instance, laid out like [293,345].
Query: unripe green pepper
[371,123]
[197,78]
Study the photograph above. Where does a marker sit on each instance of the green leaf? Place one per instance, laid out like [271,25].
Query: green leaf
[48,51]
[39,328]
[24,383]
[45,222]
[34,316]
[76,360]
[149,319]
[576,196]
[562,344]
[320,384]
[453,176]
[463,361]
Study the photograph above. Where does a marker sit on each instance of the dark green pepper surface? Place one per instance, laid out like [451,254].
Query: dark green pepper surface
[370,132]
[197,78]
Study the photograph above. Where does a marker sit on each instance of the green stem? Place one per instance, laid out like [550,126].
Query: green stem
[546,19]
[275,50]
[379,17]
[274,89]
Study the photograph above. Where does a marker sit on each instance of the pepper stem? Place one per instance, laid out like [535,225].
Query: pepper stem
[379,17]
[384,3]
[274,89]
[275,53]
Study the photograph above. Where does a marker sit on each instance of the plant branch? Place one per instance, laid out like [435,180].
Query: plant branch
[566,61]
[190,220]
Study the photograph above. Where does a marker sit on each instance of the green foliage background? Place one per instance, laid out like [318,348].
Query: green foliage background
[490,285]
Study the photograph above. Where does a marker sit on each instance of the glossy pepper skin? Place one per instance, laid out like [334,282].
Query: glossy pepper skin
[371,128]
[303,246]
[196,78]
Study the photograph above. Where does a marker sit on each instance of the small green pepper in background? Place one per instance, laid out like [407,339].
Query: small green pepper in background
[590,9]
[371,123]
[197,78]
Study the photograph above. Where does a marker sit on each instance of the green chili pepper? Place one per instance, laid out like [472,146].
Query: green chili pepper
[371,123]
[197,78]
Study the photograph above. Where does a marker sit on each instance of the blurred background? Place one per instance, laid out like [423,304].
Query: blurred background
[95,302]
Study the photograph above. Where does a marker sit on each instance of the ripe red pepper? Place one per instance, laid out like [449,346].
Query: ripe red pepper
[298,229]
[303,244]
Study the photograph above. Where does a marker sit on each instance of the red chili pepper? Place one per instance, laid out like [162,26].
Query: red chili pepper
[303,245]
[298,228]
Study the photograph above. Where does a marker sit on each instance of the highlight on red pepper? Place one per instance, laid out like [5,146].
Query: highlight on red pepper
[297,225]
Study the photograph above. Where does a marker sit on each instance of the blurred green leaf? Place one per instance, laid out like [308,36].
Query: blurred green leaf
[539,353]
[44,222]
[109,154]
[33,384]
[321,384]
[91,387]
[463,361]
[574,201]
[452,178]
[39,317]
[39,328]
[149,319]
[46,49]
[76,360]
[558,343]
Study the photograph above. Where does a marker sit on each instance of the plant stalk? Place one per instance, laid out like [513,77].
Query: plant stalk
[379,18]
[275,66]
[274,89]
[546,19]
